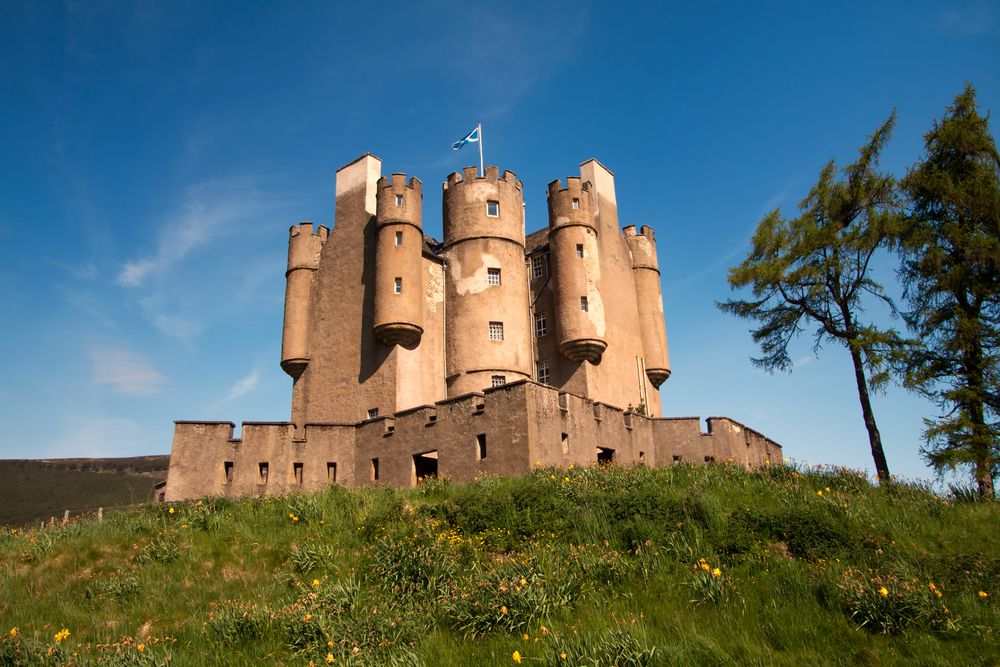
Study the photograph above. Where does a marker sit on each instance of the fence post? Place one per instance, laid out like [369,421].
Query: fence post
[66,516]
[100,514]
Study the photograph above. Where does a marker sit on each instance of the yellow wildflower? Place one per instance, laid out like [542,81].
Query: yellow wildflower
[937,593]
[61,635]
[524,582]
[716,572]
[315,583]
[982,596]
[171,510]
[329,658]
[525,636]
[307,618]
[517,657]
[705,567]
[562,655]
[819,493]
[545,631]
[329,644]
[141,648]
[13,631]
[827,489]
[884,592]
[503,610]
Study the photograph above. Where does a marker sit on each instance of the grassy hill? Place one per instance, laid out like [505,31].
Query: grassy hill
[35,490]
[600,566]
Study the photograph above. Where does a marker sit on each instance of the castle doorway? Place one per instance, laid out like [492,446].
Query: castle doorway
[605,455]
[425,465]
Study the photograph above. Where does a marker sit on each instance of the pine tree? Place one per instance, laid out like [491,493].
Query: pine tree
[812,270]
[950,267]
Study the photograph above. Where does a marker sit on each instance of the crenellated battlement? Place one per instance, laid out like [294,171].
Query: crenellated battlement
[574,185]
[304,246]
[398,183]
[492,175]
[305,230]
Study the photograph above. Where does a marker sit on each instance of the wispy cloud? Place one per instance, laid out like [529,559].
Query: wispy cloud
[243,386]
[208,211]
[975,19]
[804,360]
[125,372]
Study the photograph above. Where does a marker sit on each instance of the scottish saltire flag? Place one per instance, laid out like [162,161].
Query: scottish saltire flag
[470,138]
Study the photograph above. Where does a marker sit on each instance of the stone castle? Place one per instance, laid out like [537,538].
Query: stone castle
[486,353]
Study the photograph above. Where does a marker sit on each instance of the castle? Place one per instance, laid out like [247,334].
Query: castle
[486,353]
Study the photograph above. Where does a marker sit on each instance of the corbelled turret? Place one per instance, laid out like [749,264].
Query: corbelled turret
[398,246]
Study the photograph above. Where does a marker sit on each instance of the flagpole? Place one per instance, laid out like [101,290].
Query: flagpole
[482,170]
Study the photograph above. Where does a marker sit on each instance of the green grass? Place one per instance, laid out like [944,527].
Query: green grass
[34,491]
[602,566]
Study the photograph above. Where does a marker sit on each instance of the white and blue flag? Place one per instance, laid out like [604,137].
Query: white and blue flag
[470,138]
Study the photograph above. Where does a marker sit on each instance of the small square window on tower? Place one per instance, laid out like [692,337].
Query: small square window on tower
[297,472]
[493,276]
[579,250]
[584,305]
[493,209]
[399,238]
[496,330]
[537,266]
[498,380]
[544,375]
[541,327]
[372,413]
[398,286]
[399,200]
[576,203]
[262,472]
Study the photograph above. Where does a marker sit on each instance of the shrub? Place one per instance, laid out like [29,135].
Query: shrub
[162,549]
[311,556]
[118,587]
[234,622]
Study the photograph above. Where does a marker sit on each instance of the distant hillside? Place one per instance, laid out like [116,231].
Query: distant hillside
[34,490]
[602,566]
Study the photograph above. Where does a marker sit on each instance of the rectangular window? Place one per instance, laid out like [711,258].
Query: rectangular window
[498,380]
[584,306]
[480,446]
[227,467]
[262,472]
[331,472]
[493,209]
[576,203]
[496,330]
[493,276]
[579,250]
[541,328]
[374,470]
[297,472]
[399,238]
[398,286]
[543,372]
[536,266]
[399,200]
[372,413]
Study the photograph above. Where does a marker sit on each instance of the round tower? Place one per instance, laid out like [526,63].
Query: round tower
[575,271]
[649,299]
[304,249]
[399,240]
[486,286]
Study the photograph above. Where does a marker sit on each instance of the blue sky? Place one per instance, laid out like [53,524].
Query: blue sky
[153,155]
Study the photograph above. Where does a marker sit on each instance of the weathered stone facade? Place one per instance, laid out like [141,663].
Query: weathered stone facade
[488,352]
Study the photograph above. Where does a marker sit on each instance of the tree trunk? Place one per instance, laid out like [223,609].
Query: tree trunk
[973,380]
[874,438]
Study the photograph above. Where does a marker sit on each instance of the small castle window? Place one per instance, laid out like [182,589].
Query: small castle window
[536,266]
[374,470]
[227,467]
[584,305]
[493,209]
[480,446]
[297,472]
[498,380]
[399,200]
[579,250]
[709,459]
[496,330]
[677,459]
[543,372]
[331,472]
[398,286]
[565,444]
[493,276]
[372,413]
[262,472]
[399,238]
[541,328]
[576,203]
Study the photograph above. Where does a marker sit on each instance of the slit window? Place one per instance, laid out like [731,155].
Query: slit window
[399,200]
[493,276]
[576,203]
[262,472]
[297,472]
[374,470]
[480,446]
[331,472]
[493,209]
[399,238]
[372,413]
[544,375]
[579,250]
[398,286]
[584,305]
[536,266]
[496,330]
[498,380]
[565,444]
[541,327]
[227,468]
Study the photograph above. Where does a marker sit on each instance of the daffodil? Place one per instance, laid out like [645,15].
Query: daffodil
[329,658]
[517,657]
[503,610]
[171,510]
[140,648]
[562,655]
[716,572]
[525,636]
[315,583]
[61,635]
[820,492]
[13,631]
[982,596]
[705,567]
[884,592]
